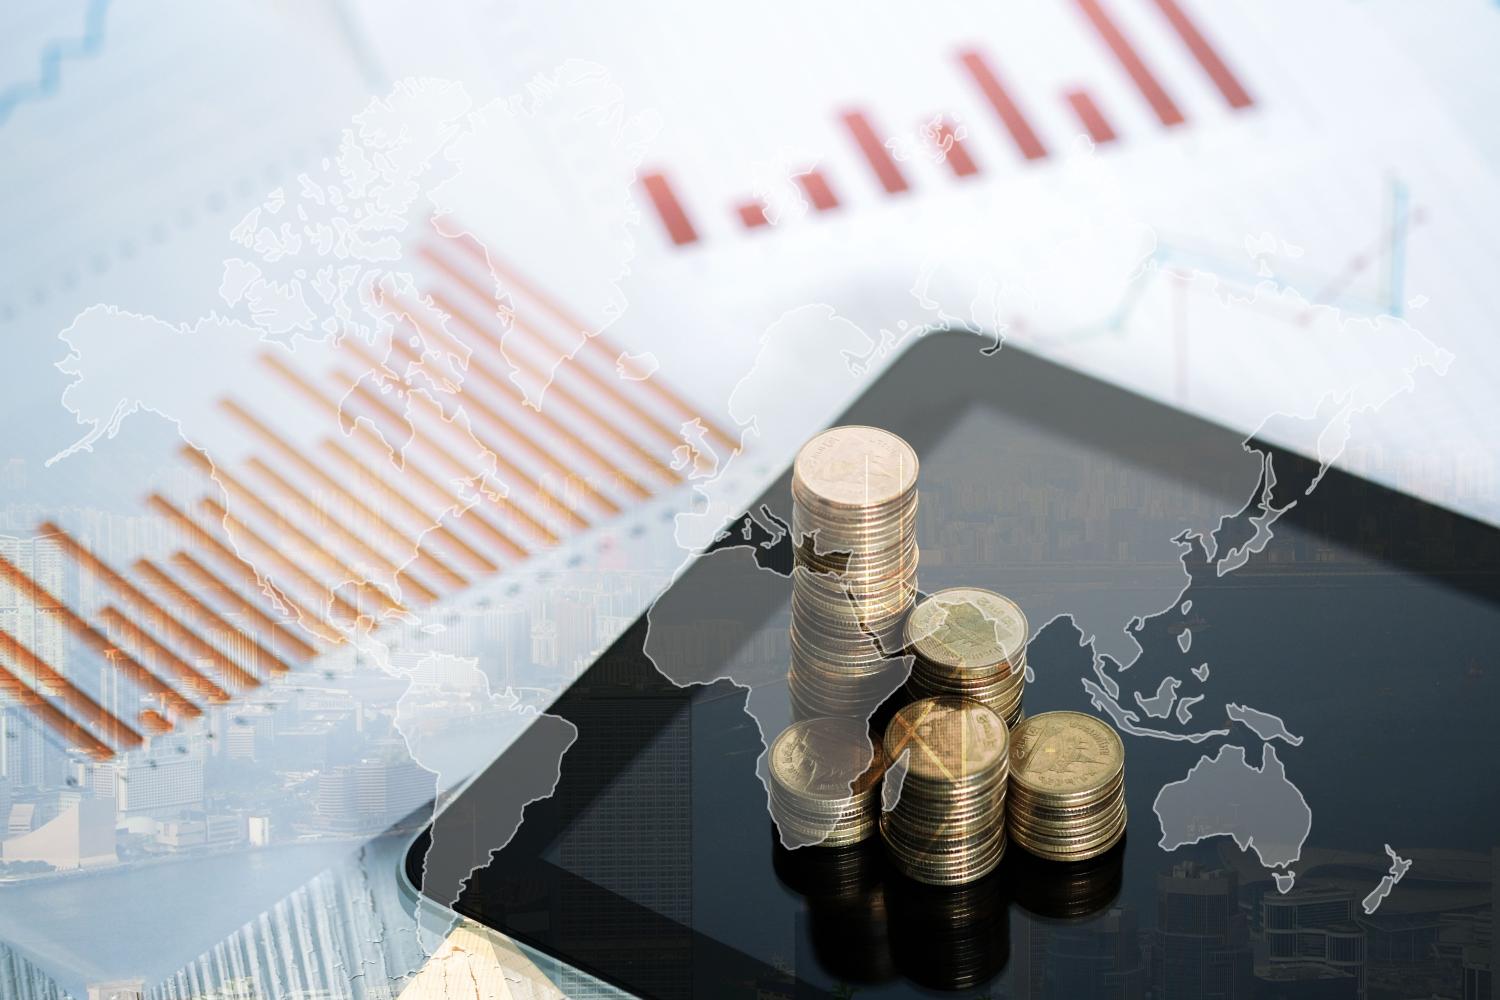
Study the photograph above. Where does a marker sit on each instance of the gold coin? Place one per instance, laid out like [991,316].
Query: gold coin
[1081,852]
[855,467]
[949,739]
[825,759]
[1064,754]
[1071,829]
[966,628]
[1072,806]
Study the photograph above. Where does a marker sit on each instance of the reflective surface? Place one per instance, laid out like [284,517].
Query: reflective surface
[1366,626]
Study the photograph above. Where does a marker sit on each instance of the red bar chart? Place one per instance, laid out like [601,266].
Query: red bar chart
[1028,122]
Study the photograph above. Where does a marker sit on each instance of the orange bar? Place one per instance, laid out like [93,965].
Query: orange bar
[600,422]
[274,555]
[95,714]
[372,480]
[598,340]
[667,434]
[446,457]
[471,401]
[550,500]
[509,392]
[425,593]
[152,719]
[329,563]
[164,582]
[291,454]
[205,578]
[147,646]
[489,530]
[145,606]
[305,387]
[246,572]
[95,640]
[65,727]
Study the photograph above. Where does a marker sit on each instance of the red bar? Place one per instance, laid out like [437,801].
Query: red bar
[669,208]
[955,155]
[752,214]
[1093,119]
[1206,54]
[815,186]
[873,147]
[1166,110]
[1010,115]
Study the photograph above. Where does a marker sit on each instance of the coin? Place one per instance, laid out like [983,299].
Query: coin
[947,826]
[824,773]
[971,643]
[1067,786]
[966,629]
[948,738]
[855,467]
[1065,754]
[854,575]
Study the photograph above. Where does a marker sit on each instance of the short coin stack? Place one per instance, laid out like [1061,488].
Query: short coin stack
[854,513]
[969,643]
[1067,786]
[948,824]
[824,776]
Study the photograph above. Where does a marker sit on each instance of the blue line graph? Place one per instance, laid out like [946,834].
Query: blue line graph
[49,75]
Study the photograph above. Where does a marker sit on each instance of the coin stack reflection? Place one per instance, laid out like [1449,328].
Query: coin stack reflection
[969,643]
[854,508]
[824,781]
[1067,786]
[948,824]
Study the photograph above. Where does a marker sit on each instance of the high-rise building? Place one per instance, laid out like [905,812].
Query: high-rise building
[576,618]
[1478,973]
[1201,943]
[1494,964]
[1101,959]
[1315,925]
[386,791]
[510,628]
[335,803]
[23,748]
[147,784]
[545,650]
[249,734]
[20,980]
[27,756]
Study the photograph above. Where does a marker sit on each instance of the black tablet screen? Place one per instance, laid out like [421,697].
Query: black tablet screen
[1361,620]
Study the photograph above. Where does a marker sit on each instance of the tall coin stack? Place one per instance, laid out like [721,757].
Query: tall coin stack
[1067,786]
[948,824]
[824,774]
[969,643]
[854,515]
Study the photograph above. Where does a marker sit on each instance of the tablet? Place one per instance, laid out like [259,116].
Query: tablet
[1306,701]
